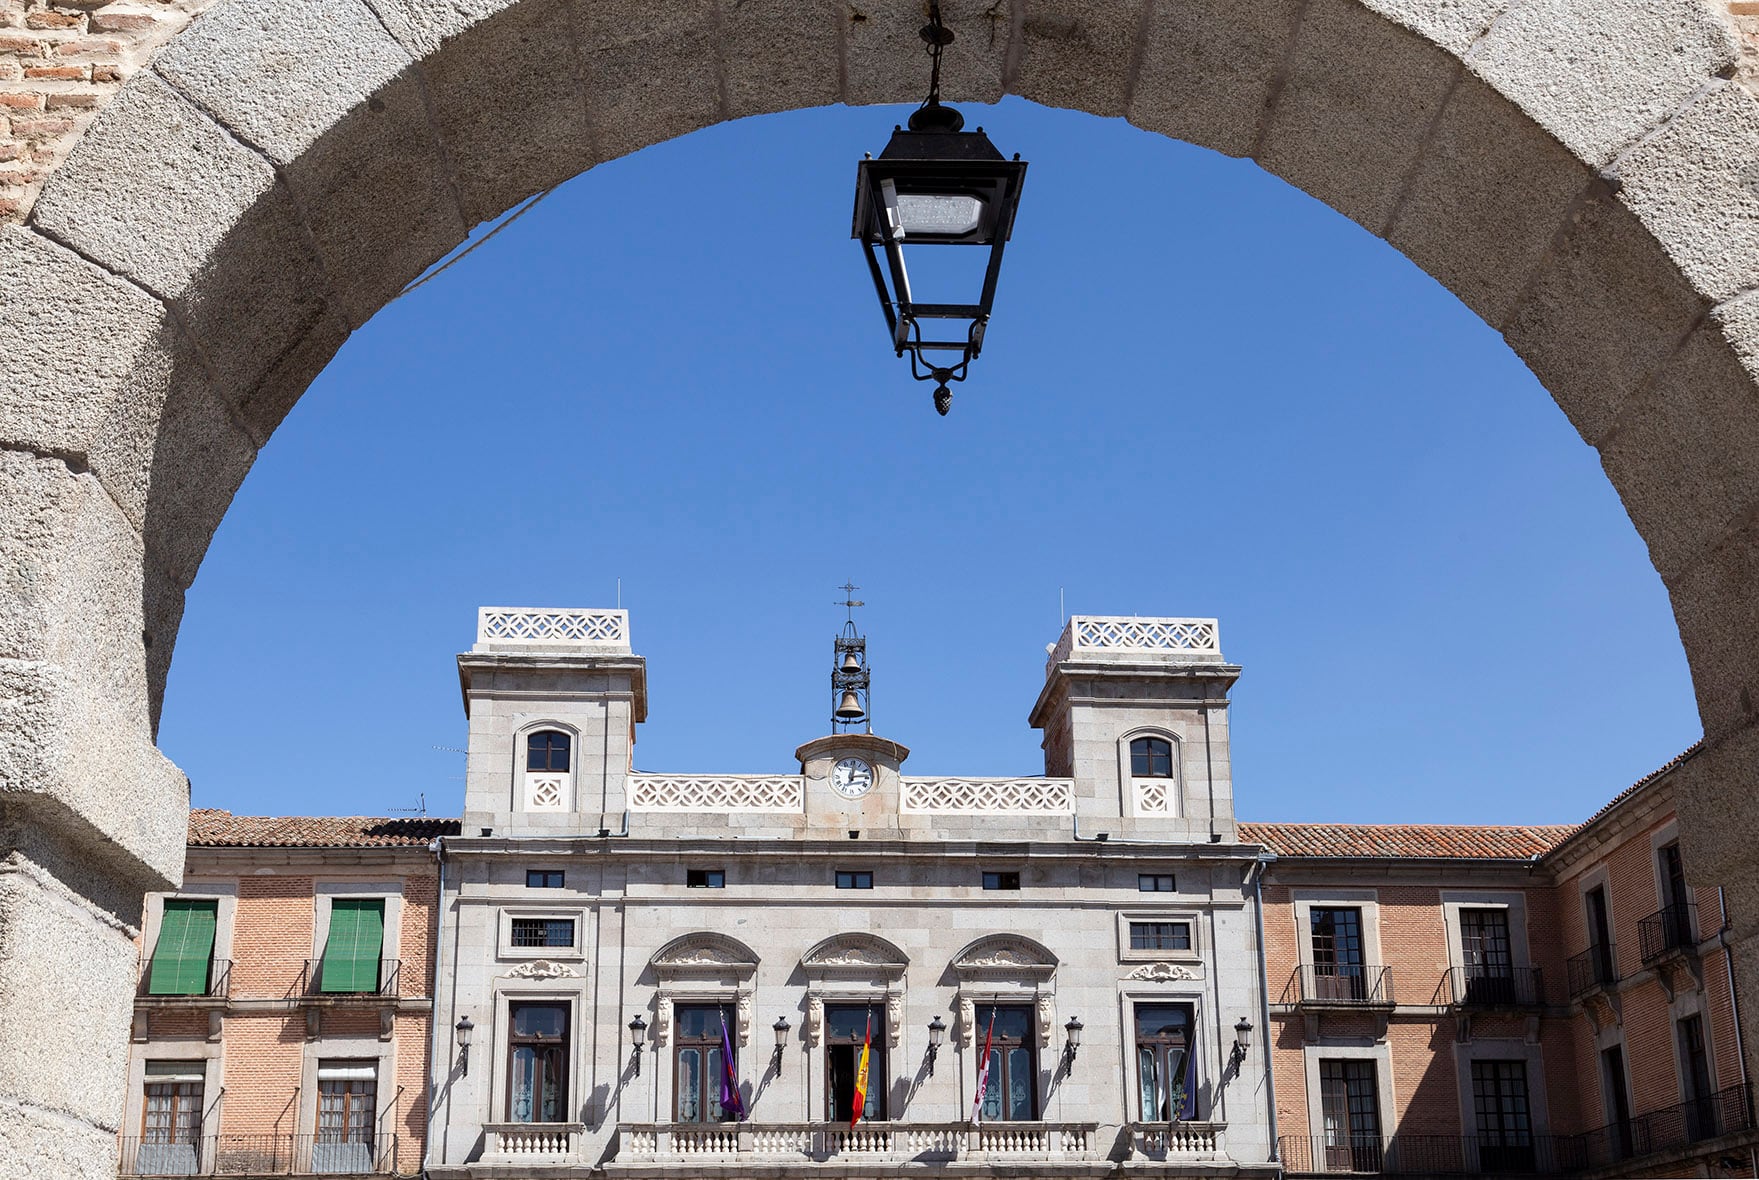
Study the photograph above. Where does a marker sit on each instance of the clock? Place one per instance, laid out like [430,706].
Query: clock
[851,778]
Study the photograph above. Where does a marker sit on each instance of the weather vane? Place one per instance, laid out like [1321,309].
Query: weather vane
[850,602]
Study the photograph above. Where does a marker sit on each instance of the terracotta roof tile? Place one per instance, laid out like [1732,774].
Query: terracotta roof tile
[212,828]
[1445,841]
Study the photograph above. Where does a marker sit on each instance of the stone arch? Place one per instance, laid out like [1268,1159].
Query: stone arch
[704,954]
[1576,174]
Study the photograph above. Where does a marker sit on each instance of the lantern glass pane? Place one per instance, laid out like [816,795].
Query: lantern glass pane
[939,213]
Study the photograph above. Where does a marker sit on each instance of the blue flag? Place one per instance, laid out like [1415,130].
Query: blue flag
[731,1099]
[1188,1108]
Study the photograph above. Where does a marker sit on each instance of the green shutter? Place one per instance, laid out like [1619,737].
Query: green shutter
[186,943]
[351,954]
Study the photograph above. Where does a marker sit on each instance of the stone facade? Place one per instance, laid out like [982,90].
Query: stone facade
[786,899]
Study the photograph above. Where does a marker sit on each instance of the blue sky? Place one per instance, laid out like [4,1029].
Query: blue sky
[1203,393]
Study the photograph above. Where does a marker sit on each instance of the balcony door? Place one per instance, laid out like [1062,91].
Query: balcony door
[1337,953]
[1164,1078]
[1349,1102]
[1011,1089]
[347,1111]
[1486,956]
[847,1027]
[1504,1117]
[1599,935]
[171,1121]
[537,1074]
[700,1074]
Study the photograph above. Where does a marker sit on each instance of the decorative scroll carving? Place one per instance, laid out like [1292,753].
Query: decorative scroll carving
[1005,957]
[1163,972]
[663,1021]
[717,792]
[967,1021]
[894,1018]
[543,969]
[742,1017]
[989,796]
[815,1019]
[1046,1018]
[854,955]
[704,955]
[504,624]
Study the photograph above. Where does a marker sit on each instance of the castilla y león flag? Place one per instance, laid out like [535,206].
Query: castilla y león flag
[983,1071]
[860,1103]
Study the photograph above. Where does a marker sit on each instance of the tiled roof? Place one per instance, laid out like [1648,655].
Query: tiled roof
[212,828]
[1683,756]
[1446,841]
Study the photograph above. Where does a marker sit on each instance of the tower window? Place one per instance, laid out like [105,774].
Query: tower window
[1151,757]
[547,750]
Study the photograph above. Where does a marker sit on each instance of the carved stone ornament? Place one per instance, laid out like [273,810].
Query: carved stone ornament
[662,1020]
[705,955]
[815,1019]
[853,954]
[1164,972]
[1003,956]
[967,1021]
[543,969]
[742,1018]
[1045,1017]
[894,1018]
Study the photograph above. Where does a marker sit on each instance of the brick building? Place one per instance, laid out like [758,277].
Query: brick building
[1503,999]
[282,1019]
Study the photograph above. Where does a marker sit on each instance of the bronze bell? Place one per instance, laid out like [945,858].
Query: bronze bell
[850,663]
[850,709]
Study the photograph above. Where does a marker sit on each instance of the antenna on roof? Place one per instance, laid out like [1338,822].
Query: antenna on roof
[420,808]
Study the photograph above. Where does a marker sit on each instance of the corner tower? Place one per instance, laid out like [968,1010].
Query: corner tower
[1135,710]
[553,698]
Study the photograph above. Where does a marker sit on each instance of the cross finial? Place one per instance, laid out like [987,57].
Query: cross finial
[850,602]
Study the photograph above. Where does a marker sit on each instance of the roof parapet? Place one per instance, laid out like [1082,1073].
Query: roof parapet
[1108,637]
[523,628]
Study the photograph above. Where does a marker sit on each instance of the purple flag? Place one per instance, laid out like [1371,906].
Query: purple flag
[731,1099]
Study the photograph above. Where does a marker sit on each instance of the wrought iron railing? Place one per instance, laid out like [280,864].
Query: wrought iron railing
[311,980]
[1495,987]
[1514,1153]
[1722,1113]
[219,984]
[262,1155]
[1595,967]
[1341,983]
[1667,930]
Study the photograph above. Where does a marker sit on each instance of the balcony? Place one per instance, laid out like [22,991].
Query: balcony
[266,1155]
[1595,968]
[384,986]
[1413,1155]
[218,987]
[865,1145]
[1178,1141]
[1340,985]
[1667,932]
[1495,987]
[1669,1129]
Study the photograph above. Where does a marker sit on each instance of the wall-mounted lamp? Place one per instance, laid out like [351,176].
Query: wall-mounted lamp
[637,1035]
[464,1028]
[1072,1046]
[1242,1040]
[781,1030]
[937,1036]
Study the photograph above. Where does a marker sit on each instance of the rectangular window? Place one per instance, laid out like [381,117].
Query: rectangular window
[1166,1070]
[1001,880]
[1338,972]
[1154,882]
[542,932]
[185,950]
[1010,1092]
[847,1028]
[705,878]
[1505,1124]
[1618,1099]
[1160,936]
[347,1112]
[537,1064]
[351,952]
[704,1078]
[847,880]
[1599,936]
[171,1121]
[1349,1102]
[543,878]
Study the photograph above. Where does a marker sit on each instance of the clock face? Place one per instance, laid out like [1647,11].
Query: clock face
[851,778]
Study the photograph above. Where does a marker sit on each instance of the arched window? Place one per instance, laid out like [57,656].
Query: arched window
[1151,757]
[547,750]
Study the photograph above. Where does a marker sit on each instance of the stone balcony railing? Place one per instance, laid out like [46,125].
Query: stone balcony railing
[520,1142]
[1178,1141]
[1101,635]
[869,1143]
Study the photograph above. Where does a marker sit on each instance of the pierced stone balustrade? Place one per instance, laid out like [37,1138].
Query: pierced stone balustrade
[989,796]
[717,792]
[1094,634]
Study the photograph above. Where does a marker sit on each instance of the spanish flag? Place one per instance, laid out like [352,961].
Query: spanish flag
[860,1103]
